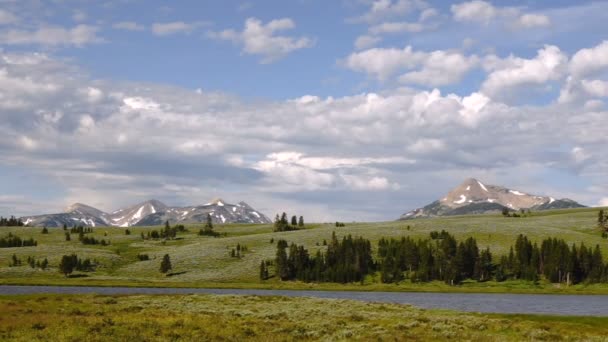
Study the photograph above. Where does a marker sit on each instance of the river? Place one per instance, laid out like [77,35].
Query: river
[571,305]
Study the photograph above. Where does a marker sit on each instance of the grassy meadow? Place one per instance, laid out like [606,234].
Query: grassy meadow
[253,318]
[203,261]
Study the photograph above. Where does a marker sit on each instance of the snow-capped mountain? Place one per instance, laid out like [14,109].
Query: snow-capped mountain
[475,197]
[150,213]
[132,215]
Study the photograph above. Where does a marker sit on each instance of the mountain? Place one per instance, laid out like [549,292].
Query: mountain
[149,213]
[475,197]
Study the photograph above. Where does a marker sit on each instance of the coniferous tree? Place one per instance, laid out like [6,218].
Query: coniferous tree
[294,221]
[67,236]
[67,264]
[301,221]
[282,269]
[45,230]
[165,264]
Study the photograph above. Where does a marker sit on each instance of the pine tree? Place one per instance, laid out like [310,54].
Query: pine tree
[165,265]
[282,268]
[45,230]
[301,221]
[67,264]
[67,236]
[294,220]
[263,271]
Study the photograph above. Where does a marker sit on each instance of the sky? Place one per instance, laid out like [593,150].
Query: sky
[353,110]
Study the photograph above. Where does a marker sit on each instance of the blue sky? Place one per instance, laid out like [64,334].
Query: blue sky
[357,109]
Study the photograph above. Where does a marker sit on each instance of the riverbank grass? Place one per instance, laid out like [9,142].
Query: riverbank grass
[237,318]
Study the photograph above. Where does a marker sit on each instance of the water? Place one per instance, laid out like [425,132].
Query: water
[571,305]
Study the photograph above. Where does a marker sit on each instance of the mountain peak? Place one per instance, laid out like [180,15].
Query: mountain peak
[474,197]
[83,208]
[218,201]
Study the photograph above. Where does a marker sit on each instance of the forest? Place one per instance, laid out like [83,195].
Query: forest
[439,257]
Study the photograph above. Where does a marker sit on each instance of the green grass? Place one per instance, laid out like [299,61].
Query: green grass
[201,261]
[238,318]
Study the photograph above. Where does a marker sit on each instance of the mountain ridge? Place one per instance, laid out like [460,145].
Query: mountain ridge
[474,197]
[150,212]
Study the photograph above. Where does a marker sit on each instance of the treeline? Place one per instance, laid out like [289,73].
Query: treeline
[344,261]
[31,261]
[444,258]
[281,224]
[11,240]
[167,232]
[439,257]
[10,222]
[71,263]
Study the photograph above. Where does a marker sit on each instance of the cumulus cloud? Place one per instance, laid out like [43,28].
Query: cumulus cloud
[137,140]
[441,68]
[588,61]
[426,68]
[366,41]
[262,39]
[533,20]
[484,12]
[380,10]
[79,35]
[476,10]
[513,72]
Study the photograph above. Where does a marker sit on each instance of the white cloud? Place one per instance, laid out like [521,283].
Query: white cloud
[383,9]
[427,68]
[396,27]
[484,12]
[476,11]
[587,61]
[366,41]
[595,88]
[262,39]
[441,68]
[7,17]
[175,27]
[513,72]
[382,63]
[128,26]
[533,20]
[131,139]
[80,35]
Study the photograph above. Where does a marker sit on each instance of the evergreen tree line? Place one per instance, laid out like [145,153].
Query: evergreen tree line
[71,263]
[10,222]
[444,258]
[281,224]
[89,240]
[43,265]
[344,261]
[167,232]
[11,240]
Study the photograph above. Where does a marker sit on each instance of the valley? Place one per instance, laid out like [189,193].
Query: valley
[204,261]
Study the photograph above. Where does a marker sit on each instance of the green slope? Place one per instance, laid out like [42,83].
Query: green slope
[206,260]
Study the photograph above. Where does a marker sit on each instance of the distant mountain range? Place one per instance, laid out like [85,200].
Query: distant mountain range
[149,213]
[475,197]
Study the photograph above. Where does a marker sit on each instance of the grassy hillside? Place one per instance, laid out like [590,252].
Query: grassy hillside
[205,261]
[251,318]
